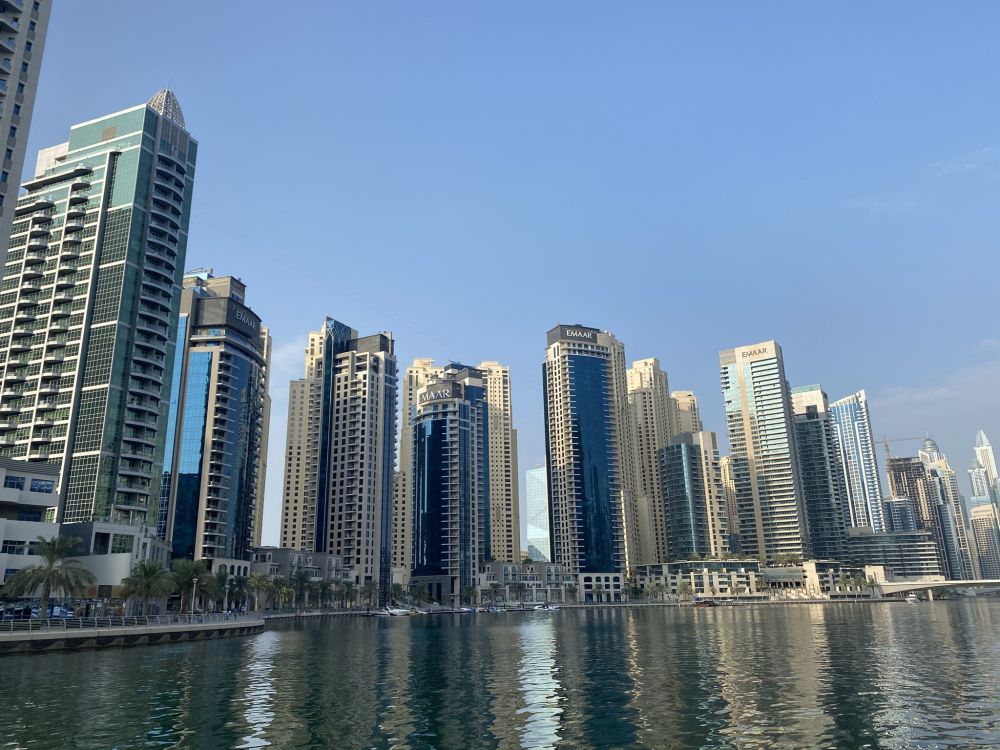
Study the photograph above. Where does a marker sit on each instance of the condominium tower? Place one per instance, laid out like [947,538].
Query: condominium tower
[686,416]
[987,460]
[341,443]
[763,463]
[505,523]
[650,406]
[451,475]
[852,428]
[695,510]
[985,527]
[588,441]
[23,24]
[214,466]
[819,472]
[88,309]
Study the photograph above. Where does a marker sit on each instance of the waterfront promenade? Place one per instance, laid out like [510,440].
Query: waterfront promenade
[38,636]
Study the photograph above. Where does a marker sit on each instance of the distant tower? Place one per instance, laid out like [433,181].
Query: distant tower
[819,470]
[986,459]
[686,412]
[538,541]
[857,463]
[986,529]
[695,512]
[650,405]
[763,461]
[505,505]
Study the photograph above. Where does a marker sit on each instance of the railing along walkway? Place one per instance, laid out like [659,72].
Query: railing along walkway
[120,623]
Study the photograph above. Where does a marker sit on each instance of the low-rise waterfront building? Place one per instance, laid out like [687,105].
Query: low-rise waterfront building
[28,508]
[736,578]
[817,579]
[541,582]
[284,562]
[905,555]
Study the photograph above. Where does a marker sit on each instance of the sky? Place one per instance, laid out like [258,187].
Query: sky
[690,177]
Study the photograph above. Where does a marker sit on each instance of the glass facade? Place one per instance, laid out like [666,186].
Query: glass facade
[537,516]
[190,452]
[857,462]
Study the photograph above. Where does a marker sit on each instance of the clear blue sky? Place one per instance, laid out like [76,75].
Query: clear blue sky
[690,177]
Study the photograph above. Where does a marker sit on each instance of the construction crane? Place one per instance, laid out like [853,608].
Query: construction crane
[886,440]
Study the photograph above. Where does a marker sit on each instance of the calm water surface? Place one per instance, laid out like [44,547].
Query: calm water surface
[799,676]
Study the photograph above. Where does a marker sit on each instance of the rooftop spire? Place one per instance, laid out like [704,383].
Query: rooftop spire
[981,440]
[165,103]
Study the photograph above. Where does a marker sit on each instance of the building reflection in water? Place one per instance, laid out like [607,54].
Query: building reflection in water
[256,689]
[538,683]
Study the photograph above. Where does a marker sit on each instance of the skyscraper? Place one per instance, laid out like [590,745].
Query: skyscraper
[339,453]
[695,513]
[451,474]
[857,463]
[732,507]
[819,472]
[944,495]
[979,478]
[763,463]
[537,506]
[505,504]
[212,495]
[505,531]
[88,307]
[686,416]
[587,445]
[22,41]
[987,460]
[650,406]
[416,377]
[986,530]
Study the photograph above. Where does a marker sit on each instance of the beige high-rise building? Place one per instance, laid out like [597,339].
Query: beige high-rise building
[729,497]
[339,456]
[23,24]
[505,513]
[985,523]
[650,406]
[686,415]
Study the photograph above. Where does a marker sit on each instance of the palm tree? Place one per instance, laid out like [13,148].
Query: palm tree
[281,591]
[571,590]
[324,591]
[519,589]
[300,582]
[257,583]
[347,593]
[417,593]
[685,589]
[495,591]
[469,594]
[185,573]
[397,592]
[56,573]
[238,589]
[369,591]
[148,581]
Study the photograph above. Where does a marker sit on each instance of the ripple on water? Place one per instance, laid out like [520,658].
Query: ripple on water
[838,676]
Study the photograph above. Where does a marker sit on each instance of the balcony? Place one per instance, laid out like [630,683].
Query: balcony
[79,183]
[63,311]
[59,297]
[8,23]
[36,244]
[33,257]
[73,225]
[76,210]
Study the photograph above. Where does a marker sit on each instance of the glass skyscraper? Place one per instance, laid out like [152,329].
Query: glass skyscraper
[819,472]
[213,470]
[763,463]
[88,309]
[537,507]
[694,506]
[852,428]
[451,483]
[588,449]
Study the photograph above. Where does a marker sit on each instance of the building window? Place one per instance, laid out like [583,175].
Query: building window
[24,67]
[13,482]
[43,485]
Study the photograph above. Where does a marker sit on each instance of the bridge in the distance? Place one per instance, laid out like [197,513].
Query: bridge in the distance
[900,587]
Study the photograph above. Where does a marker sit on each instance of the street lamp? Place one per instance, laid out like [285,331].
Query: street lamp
[194,590]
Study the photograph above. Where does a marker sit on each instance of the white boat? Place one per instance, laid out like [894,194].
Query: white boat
[547,607]
[912,598]
[398,612]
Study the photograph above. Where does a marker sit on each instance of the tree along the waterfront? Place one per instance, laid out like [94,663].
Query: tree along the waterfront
[148,580]
[55,574]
